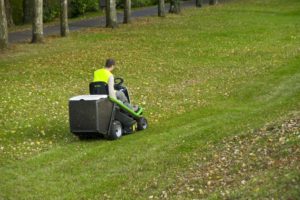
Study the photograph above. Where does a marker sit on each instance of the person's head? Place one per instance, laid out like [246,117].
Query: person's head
[110,64]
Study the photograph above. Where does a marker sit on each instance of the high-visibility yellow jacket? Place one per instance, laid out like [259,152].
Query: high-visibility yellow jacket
[102,75]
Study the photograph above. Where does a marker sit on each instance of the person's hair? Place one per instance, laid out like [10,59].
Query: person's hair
[109,62]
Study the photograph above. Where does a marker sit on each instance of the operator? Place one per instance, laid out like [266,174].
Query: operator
[105,75]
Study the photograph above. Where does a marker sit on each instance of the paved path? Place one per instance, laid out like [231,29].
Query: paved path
[25,36]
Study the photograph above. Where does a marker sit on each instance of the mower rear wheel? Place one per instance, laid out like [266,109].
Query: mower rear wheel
[115,131]
[142,124]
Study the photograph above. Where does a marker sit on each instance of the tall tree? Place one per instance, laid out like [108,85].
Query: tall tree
[127,12]
[111,14]
[161,8]
[37,25]
[8,11]
[27,11]
[64,26]
[213,2]
[175,6]
[199,3]
[3,26]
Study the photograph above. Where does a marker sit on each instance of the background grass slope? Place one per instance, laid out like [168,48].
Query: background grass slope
[202,76]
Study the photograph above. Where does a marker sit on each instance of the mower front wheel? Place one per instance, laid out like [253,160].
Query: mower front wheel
[115,131]
[142,124]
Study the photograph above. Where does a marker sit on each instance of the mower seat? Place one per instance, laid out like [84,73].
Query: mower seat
[98,88]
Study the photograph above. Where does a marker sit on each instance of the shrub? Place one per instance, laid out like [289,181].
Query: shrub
[17,11]
[136,3]
[80,7]
[50,13]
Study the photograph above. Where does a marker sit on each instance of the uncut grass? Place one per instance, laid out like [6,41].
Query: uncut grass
[201,76]
[265,164]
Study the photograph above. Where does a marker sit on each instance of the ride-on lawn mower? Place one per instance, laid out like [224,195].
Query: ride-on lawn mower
[97,114]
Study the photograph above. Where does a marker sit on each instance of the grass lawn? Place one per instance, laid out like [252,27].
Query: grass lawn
[212,80]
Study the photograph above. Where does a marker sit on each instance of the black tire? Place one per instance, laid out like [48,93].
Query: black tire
[115,131]
[142,124]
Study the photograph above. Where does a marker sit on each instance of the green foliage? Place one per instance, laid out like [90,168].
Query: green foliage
[141,3]
[79,7]
[50,13]
[137,3]
[50,10]
[17,11]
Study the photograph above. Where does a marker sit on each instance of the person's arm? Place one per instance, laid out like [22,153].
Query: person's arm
[111,88]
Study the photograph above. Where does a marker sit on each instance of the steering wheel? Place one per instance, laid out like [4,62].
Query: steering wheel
[119,81]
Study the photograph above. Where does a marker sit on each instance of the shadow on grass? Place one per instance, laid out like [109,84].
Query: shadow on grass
[89,137]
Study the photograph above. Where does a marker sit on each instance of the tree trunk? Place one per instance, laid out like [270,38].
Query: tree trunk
[27,11]
[8,11]
[199,3]
[37,25]
[175,6]
[161,8]
[111,14]
[213,2]
[127,12]
[64,26]
[3,26]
